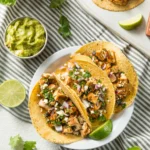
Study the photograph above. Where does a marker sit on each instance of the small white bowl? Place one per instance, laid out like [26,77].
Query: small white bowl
[39,50]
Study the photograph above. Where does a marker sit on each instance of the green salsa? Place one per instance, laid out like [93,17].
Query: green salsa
[25,37]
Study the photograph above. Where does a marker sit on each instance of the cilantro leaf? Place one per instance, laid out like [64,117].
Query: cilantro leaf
[87,74]
[29,145]
[8,2]
[56,3]
[102,118]
[16,143]
[64,28]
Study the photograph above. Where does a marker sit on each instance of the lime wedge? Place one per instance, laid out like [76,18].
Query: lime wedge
[131,23]
[134,148]
[12,93]
[103,131]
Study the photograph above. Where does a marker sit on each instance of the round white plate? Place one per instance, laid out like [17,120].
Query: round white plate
[120,120]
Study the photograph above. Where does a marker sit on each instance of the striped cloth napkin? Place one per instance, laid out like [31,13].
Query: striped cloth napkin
[84,29]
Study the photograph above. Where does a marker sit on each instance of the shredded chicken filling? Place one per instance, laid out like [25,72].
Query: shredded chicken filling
[106,60]
[90,90]
[60,112]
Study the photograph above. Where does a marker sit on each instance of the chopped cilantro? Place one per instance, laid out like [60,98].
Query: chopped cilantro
[103,104]
[74,86]
[70,73]
[82,82]
[29,145]
[16,142]
[123,105]
[99,81]
[102,118]
[51,98]
[57,122]
[87,74]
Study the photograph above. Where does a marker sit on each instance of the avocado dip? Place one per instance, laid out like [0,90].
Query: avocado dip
[25,37]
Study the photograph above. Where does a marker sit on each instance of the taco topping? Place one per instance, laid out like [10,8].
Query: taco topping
[106,60]
[60,112]
[90,90]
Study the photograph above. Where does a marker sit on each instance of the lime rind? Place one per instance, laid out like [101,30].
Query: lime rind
[12,93]
[131,23]
[103,131]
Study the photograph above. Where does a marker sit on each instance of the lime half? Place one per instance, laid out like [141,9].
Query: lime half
[134,148]
[103,131]
[131,23]
[12,93]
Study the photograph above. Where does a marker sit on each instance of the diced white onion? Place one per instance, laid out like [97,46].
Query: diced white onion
[65,105]
[78,88]
[46,101]
[92,111]
[41,103]
[66,119]
[58,128]
[76,73]
[44,86]
[86,104]
[85,87]
[61,112]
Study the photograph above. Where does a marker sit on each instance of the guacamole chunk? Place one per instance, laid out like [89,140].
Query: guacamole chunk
[25,37]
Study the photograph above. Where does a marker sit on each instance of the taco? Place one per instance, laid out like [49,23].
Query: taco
[117,5]
[57,117]
[90,86]
[111,60]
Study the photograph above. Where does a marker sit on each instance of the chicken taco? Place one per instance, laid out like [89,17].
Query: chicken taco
[120,71]
[117,5]
[57,117]
[90,86]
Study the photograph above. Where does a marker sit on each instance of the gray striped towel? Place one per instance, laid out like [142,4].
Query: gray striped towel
[84,29]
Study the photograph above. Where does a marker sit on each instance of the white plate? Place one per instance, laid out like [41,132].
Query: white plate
[110,20]
[120,120]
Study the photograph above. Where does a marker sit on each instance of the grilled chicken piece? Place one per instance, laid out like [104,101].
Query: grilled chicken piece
[85,130]
[101,55]
[120,2]
[111,57]
[52,86]
[67,130]
[59,96]
[73,121]
[92,98]
[43,105]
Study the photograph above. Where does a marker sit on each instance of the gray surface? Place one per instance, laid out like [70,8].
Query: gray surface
[136,37]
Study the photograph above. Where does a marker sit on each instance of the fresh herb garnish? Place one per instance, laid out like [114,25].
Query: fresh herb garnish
[29,145]
[123,105]
[82,82]
[8,2]
[56,3]
[51,98]
[64,28]
[103,104]
[17,143]
[87,74]
[102,118]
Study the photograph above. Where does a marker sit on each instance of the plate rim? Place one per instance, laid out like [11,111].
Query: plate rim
[44,65]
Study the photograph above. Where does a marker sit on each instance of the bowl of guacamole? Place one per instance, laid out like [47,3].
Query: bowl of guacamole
[25,37]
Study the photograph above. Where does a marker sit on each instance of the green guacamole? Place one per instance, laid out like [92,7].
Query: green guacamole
[25,37]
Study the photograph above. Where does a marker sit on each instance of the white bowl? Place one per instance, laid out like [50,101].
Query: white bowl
[39,50]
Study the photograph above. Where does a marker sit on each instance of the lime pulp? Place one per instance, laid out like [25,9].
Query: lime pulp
[12,93]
